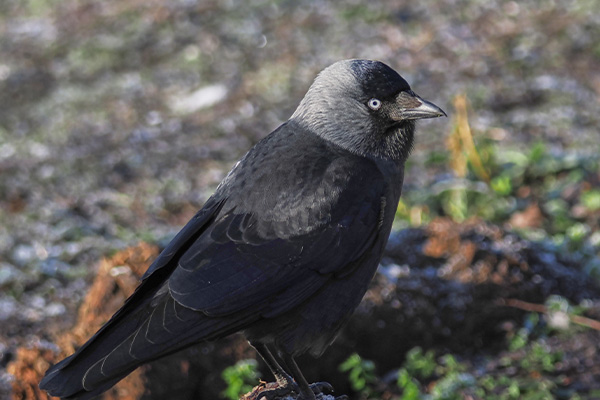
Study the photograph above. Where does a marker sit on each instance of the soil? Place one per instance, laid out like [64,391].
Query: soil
[457,296]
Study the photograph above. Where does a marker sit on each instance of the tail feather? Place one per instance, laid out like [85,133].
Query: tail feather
[64,379]
[117,350]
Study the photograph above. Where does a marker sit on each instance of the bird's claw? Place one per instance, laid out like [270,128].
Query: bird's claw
[278,392]
[321,387]
[274,394]
[271,391]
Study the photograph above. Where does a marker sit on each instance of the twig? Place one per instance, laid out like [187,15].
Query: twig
[540,308]
[461,143]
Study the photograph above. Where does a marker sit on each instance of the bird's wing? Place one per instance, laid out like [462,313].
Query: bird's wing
[243,261]
[186,236]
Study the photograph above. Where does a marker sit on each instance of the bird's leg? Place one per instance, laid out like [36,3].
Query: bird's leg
[307,392]
[287,384]
[284,380]
[282,377]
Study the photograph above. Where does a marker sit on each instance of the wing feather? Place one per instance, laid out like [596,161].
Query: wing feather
[231,267]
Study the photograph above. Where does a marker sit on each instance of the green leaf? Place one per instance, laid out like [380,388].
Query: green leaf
[502,185]
[591,199]
[537,152]
[240,378]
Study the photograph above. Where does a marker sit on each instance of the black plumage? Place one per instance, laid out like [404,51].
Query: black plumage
[285,248]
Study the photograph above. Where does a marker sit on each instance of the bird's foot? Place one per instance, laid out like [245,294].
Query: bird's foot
[275,394]
[274,391]
[324,391]
[321,387]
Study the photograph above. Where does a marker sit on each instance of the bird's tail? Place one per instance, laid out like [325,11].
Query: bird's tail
[123,344]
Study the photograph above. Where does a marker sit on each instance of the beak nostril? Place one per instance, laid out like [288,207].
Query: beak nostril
[412,106]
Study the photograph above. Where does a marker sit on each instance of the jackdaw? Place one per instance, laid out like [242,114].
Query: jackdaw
[284,249]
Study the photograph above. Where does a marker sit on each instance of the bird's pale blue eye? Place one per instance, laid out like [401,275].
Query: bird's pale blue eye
[374,104]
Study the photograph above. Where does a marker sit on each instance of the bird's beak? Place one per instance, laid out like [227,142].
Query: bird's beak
[411,106]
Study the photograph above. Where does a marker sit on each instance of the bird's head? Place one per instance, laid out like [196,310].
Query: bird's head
[365,107]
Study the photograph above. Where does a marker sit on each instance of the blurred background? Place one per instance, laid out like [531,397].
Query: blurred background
[118,120]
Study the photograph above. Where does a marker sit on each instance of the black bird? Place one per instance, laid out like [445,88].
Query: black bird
[285,248]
